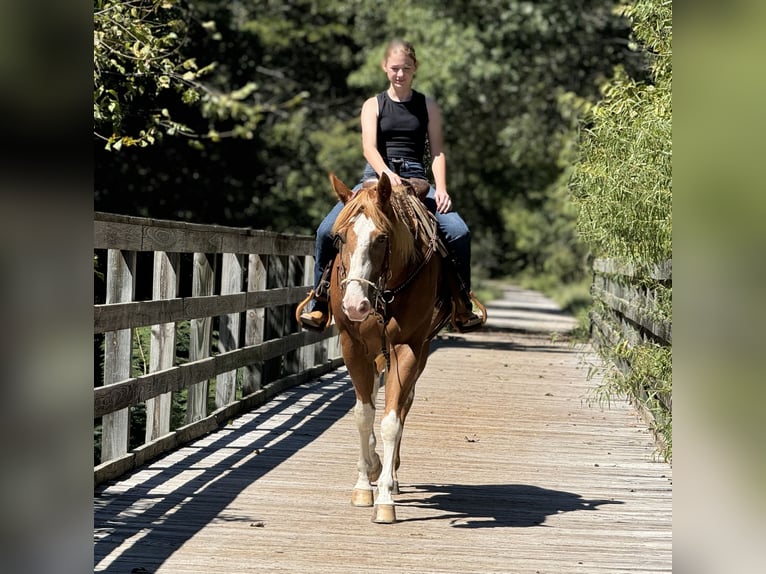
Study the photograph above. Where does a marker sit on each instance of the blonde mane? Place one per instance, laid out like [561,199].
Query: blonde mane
[402,219]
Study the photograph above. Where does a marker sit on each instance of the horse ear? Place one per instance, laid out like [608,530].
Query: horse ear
[384,189]
[341,190]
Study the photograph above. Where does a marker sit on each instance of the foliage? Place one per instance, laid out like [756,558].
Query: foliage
[623,182]
[506,74]
[648,380]
[142,72]
[622,186]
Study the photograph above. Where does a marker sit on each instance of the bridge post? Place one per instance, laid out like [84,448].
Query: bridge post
[200,330]
[120,288]
[274,327]
[165,280]
[254,322]
[307,354]
[231,282]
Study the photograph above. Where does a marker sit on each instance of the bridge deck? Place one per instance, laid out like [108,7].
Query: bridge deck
[505,469]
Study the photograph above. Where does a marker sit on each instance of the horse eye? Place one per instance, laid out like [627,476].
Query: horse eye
[381,238]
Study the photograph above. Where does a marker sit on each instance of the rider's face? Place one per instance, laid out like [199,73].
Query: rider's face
[400,70]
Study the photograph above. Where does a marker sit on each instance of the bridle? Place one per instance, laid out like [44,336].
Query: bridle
[378,288]
[385,296]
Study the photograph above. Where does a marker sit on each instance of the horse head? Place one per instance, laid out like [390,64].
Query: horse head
[362,231]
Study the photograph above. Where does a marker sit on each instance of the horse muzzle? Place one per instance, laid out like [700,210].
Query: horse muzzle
[357,312]
[356,304]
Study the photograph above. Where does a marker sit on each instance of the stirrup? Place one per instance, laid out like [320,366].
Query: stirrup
[306,320]
[473,321]
[313,320]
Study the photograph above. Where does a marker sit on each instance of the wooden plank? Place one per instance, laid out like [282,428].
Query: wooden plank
[294,277]
[307,355]
[135,390]
[142,313]
[660,272]
[636,313]
[120,286]
[162,352]
[254,323]
[160,237]
[109,317]
[276,277]
[505,469]
[228,328]
[117,235]
[142,234]
[114,468]
[200,331]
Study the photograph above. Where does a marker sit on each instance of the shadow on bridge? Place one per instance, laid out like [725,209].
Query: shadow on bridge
[183,497]
[493,505]
[454,341]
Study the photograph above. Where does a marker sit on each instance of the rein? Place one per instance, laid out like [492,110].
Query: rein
[388,295]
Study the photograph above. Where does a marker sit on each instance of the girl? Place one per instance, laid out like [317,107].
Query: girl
[396,125]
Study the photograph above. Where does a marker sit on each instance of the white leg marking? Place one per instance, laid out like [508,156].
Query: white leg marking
[364,414]
[390,431]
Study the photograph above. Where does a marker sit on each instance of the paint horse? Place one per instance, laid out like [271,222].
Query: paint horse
[389,300]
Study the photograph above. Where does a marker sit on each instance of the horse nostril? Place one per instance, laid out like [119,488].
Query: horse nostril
[364,306]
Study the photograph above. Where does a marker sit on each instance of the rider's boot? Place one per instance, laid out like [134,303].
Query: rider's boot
[463,317]
[317,318]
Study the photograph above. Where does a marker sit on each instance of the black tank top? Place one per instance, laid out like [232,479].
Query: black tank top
[402,127]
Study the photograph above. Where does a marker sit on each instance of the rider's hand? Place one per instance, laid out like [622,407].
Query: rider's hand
[393,177]
[443,201]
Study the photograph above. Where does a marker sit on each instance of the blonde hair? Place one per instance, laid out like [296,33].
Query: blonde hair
[400,45]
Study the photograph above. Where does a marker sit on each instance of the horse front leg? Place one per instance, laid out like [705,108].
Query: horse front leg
[400,381]
[368,464]
[423,358]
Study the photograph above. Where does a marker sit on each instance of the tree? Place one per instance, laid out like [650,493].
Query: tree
[142,71]
[503,73]
[622,183]
[622,187]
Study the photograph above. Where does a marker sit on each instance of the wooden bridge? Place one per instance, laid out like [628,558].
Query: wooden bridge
[506,468]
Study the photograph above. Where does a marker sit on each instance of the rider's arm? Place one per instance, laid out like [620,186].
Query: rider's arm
[370,140]
[438,159]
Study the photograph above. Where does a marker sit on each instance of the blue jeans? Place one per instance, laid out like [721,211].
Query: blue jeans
[454,230]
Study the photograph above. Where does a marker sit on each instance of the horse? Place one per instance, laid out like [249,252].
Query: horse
[389,299]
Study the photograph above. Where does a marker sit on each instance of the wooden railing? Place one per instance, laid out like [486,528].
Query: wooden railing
[242,284]
[631,311]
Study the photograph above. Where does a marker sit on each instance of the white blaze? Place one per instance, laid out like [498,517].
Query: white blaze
[355,301]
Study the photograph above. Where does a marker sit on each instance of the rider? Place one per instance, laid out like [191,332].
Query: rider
[396,126]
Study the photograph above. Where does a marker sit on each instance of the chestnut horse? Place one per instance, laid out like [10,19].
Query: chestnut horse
[389,302]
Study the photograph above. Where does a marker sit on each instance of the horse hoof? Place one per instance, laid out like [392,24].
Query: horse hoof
[384,514]
[361,497]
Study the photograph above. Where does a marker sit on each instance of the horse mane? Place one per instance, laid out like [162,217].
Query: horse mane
[409,225]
